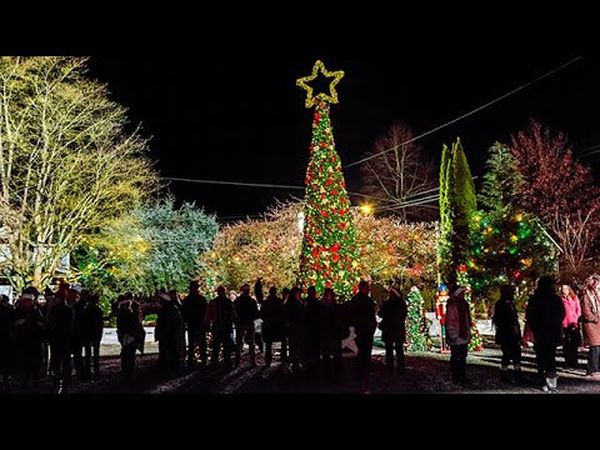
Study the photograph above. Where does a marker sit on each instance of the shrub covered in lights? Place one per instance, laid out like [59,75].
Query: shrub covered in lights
[389,251]
[154,247]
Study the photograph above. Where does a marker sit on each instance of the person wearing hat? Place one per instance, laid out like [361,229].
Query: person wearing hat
[393,329]
[194,315]
[458,335]
[246,311]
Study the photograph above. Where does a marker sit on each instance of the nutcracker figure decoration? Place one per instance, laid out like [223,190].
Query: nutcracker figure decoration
[441,298]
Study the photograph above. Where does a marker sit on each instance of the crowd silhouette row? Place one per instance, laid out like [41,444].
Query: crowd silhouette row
[46,335]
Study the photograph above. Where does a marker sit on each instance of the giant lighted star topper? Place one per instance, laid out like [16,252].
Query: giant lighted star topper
[332,97]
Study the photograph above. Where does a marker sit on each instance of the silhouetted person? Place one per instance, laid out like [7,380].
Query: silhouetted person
[93,320]
[545,313]
[273,326]
[221,316]
[60,336]
[313,314]
[508,332]
[259,296]
[140,334]
[362,316]
[77,302]
[295,316]
[246,311]
[7,322]
[458,335]
[194,314]
[393,329]
[41,304]
[126,332]
[168,332]
[28,334]
[332,330]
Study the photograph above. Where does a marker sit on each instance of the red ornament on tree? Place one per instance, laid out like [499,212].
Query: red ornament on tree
[328,182]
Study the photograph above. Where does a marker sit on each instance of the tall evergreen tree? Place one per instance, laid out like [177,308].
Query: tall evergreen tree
[444,259]
[502,179]
[463,203]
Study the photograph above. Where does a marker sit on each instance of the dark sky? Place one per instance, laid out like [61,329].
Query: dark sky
[243,119]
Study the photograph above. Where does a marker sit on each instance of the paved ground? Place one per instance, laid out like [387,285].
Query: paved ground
[425,373]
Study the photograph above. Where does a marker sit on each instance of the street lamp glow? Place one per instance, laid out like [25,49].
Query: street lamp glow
[366,209]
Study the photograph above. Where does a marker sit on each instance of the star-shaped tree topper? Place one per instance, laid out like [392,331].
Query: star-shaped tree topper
[332,97]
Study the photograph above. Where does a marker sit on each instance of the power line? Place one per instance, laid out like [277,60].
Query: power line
[257,185]
[464,116]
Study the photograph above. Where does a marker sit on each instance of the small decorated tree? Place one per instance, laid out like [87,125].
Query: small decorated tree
[417,325]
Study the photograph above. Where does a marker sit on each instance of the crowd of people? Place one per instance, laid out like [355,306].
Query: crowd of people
[551,320]
[47,334]
[309,330]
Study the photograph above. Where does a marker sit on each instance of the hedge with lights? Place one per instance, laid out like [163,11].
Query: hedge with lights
[389,250]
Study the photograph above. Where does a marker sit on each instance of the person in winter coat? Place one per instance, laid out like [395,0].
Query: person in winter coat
[361,310]
[393,329]
[126,330]
[170,334]
[458,335]
[273,326]
[570,325]
[313,312]
[60,336]
[295,317]
[246,311]
[93,320]
[194,314]
[220,319]
[332,331]
[508,331]
[591,323]
[7,323]
[28,337]
[545,315]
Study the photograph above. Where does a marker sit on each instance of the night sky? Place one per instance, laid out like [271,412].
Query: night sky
[243,118]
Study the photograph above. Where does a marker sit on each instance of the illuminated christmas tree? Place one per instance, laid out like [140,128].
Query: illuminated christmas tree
[329,256]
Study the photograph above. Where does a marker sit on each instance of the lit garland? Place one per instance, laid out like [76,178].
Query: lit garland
[332,97]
